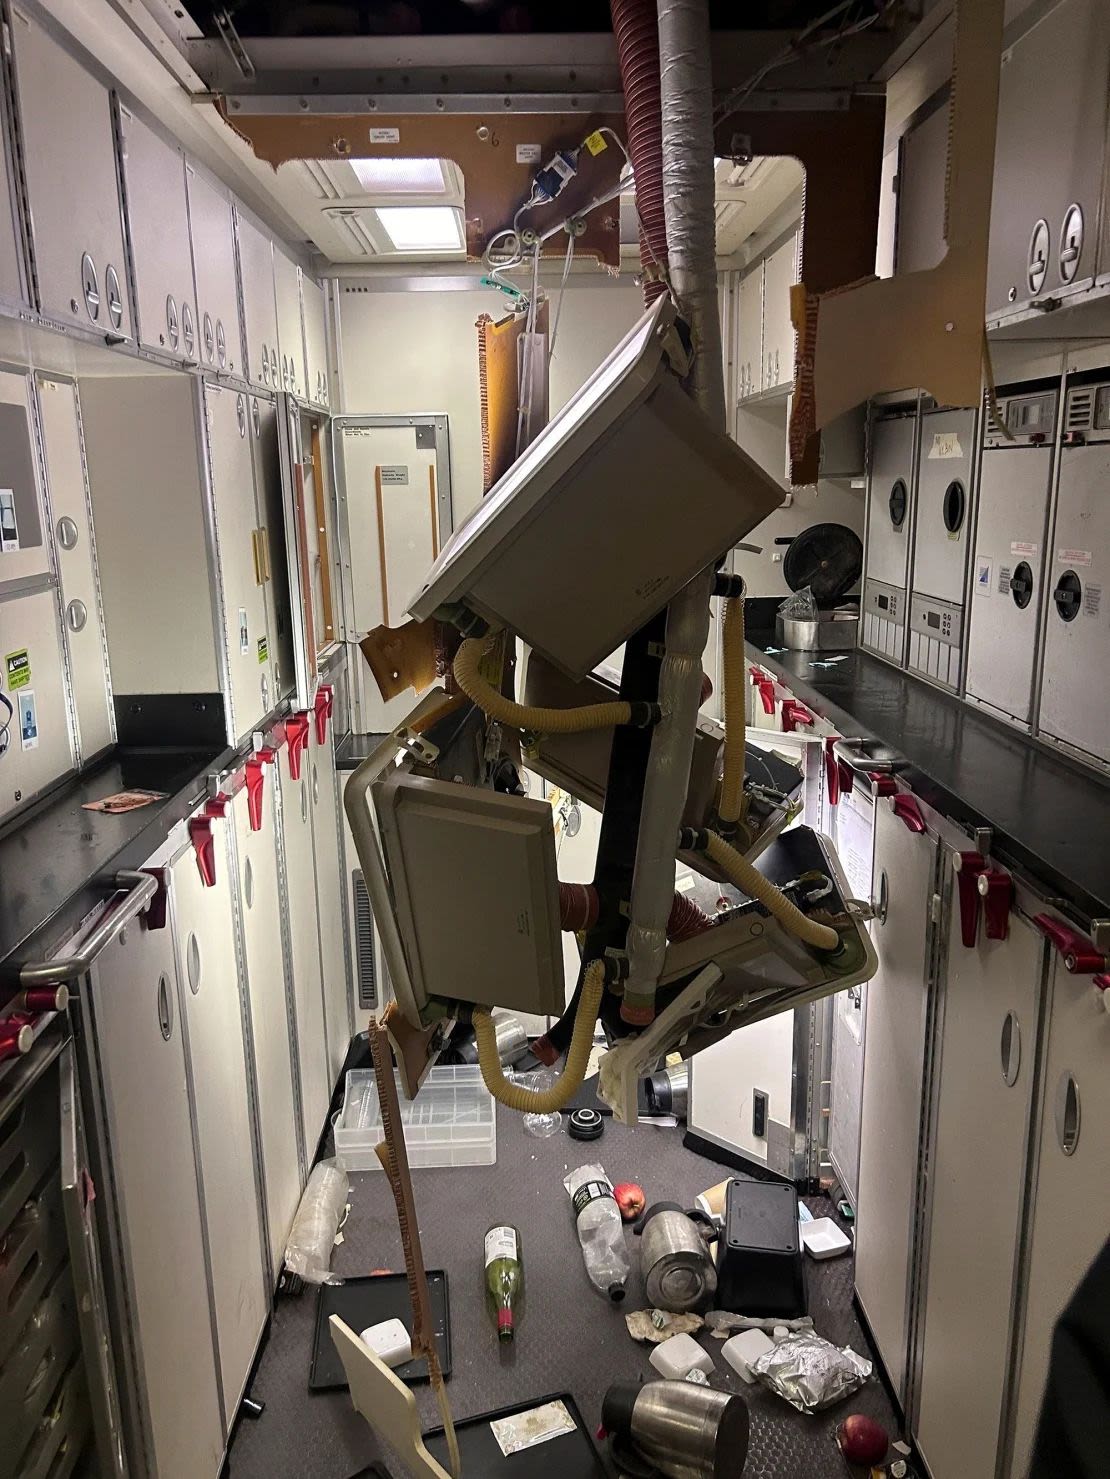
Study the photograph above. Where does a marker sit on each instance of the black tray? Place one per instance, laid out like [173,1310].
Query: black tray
[570,1456]
[368,1301]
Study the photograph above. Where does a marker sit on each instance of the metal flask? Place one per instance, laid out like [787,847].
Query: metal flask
[679,1430]
[679,1273]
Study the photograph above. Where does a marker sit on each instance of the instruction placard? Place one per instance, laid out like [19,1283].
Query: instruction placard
[263,650]
[17,667]
[244,633]
[385,135]
[1004,574]
[397,477]
[1092,600]
[528,154]
[28,719]
[9,526]
[1074,556]
[983,569]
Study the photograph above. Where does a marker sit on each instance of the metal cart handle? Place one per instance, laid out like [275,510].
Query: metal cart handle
[141,889]
[856,753]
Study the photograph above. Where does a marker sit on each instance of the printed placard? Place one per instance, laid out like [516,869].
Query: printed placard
[9,524]
[397,477]
[385,135]
[1092,600]
[983,571]
[595,143]
[18,667]
[244,633]
[263,650]
[946,444]
[528,154]
[1023,548]
[1004,574]
[28,719]
[1074,556]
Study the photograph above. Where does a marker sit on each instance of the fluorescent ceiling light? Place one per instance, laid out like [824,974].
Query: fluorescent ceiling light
[422,228]
[400,176]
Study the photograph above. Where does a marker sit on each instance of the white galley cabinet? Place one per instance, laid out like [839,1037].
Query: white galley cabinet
[202,889]
[241,553]
[749,333]
[260,901]
[212,232]
[986,1050]
[269,495]
[287,289]
[77,569]
[158,221]
[256,271]
[313,302]
[1071,1191]
[69,158]
[35,740]
[893,1071]
[132,1030]
[292,772]
[324,793]
[780,273]
[14,287]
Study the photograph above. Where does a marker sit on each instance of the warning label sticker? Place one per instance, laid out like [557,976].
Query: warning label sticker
[17,666]
[1074,556]
[1092,600]
[1023,547]
[1004,574]
[983,569]
[263,650]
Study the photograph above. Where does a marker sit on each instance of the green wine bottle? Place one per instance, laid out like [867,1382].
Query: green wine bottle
[504,1278]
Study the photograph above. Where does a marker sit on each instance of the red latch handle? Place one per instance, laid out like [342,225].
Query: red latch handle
[996,889]
[907,811]
[969,866]
[1079,954]
[832,771]
[882,784]
[157,909]
[296,733]
[322,707]
[794,714]
[1102,992]
[218,805]
[204,845]
[255,782]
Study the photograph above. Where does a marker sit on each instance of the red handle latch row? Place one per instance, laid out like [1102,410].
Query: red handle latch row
[795,714]
[1078,952]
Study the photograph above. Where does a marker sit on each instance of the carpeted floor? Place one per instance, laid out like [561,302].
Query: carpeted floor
[570,1338]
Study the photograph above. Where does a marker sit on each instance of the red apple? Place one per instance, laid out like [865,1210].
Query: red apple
[630,1199]
[862,1440]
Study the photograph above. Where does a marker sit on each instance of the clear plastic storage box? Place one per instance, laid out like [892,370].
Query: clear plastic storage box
[451,1122]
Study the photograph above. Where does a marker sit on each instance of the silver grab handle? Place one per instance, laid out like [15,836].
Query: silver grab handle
[856,753]
[141,889]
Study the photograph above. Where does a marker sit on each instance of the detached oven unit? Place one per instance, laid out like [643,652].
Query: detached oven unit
[1073,710]
[890,500]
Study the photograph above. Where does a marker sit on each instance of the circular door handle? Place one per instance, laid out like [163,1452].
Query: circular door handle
[77,614]
[209,337]
[1068,1113]
[1021,585]
[193,963]
[241,414]
[1068,595]
[882,904]
[1011,1049]
[173,326]
[1038,256]
[188,331]
[304,803]
[90,286]
[221,344]
[954,506]
[68,532]
[165,1008]
[256,417]
[115,296]
[248,883]
[265,366]
[1071,242]
[898,502]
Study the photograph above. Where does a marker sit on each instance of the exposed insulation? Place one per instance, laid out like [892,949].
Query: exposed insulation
[497,385]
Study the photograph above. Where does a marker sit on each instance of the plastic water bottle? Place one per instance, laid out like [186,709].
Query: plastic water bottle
[600,1229]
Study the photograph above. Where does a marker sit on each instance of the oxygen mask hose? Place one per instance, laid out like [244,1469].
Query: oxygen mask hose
[540,720]
[527,1101]
[750,881]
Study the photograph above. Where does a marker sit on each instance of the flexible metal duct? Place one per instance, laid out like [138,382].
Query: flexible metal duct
[686,95]
[636,27]
[579,904]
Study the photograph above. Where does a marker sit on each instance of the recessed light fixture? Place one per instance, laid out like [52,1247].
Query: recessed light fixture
[400,176]
[422,228]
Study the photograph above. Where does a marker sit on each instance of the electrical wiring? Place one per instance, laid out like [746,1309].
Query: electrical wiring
[562,292]
[800,45]
[5,724]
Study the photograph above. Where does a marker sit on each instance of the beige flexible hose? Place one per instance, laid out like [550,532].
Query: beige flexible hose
[527,1101]
[520,716]
[732,654]
[751,882]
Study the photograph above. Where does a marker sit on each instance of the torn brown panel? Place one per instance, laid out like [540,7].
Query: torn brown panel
[497,381]
[485,149]
[842,154]
[401,657]
[924,330]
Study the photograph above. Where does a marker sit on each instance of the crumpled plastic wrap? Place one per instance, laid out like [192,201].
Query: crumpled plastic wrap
[801,606]
[657,1326]
[316,1226]
[811,1373]
[722,1323]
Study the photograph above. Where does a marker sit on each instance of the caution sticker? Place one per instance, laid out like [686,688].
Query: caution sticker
[595,143]
[1092,600]
[263,650]
[1004,574]
[18,668]
[983,570]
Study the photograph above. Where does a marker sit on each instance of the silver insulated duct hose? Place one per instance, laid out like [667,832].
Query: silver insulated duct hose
[688,187]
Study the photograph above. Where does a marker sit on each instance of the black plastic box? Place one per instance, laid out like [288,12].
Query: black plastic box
[759,1255]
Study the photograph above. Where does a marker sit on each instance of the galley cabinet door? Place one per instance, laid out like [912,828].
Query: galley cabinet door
[271,516]
[330,906]
[263,949]
[24,539]
[304,948]
[238,548]
[945,455]
[780,273]
[212,1008]
[69,159]
[1070,1189]
[14,287]
[287,287]
[316,341]
[77,573]
[749,333]
[991,1007]
[217,287]
[1077,629]
[893,1065]
[318,503]
[256,270]
[140,1046]
[158,220]
[890,499]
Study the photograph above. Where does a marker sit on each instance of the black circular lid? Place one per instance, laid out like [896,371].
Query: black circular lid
[826,557]
[585,1124]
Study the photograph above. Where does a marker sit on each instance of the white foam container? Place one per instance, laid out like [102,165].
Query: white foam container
[451,1122]
[821,1238]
